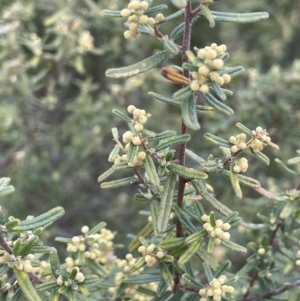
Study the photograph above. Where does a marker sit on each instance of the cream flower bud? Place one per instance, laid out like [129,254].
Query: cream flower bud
[136,140]
[144,5]
[204,88]
[143,19]
[125,13]
[138,127]
[217,64]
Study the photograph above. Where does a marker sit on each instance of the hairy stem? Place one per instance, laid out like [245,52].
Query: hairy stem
[181,156]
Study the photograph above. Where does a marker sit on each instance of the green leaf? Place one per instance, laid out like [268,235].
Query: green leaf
[165,99]
[114,154]
[162,135]
[27,247]
[54,263]
[184,220]
[292,161]
[222,268]
[194,157]
[97,228]
[177,32]
[119,183]
[173,243]
[216,104]
[203,255]
[177,296]
[191,251]
[261,157]
[140,67]
[97,268]
[42,220]
[289,170]
[247,181]
[207,271]
[143,278]
[201,189]
[206,12]
[151,170]
[122,115]
[191,282]
[166,274]
[145,232]
[172,141]
[217,140]
[154,207]
[244,129]
[26,286]
[166,203]
[189,113]
[174,16]
[183,93]
[106,174]
[4,187]
[112,13]
[156,9]
[218,90]
[235,182]
[187,173]
[239,18]
[233,71]
[233,246]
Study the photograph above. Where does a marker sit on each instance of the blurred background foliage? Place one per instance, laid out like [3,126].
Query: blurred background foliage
[55,104]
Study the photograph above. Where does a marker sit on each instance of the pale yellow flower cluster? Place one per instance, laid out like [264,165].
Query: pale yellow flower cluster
[240,165]
[209,64]
[135,16]
[216,290]
[261,139]
[218,231]
[151,254]
[239,142]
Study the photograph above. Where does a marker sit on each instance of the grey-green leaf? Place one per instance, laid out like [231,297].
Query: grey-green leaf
[139,67]
[189,113]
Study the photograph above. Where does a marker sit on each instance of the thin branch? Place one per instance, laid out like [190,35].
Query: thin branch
[278,291]
[181,156]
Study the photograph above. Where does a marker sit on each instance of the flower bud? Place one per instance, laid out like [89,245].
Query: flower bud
[179,3]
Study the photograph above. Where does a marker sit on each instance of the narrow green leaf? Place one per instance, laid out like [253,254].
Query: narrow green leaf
[165,99]
[218,90]
[205,108]
[233,71]
[292,161]
[208,272]
[177,296]
[216,104]
[132,152]
[114,154]
[191,282]
[145,232]
[206,12]
[26,286]
[140,67]
[240,18]
[41,220]
[166,203]
[195,236]
[247,181]
[261,157]
[97,228]
[217,140]
[156,9]
[154,207]
[244,129]
[191,251]
[201,189]
[222,268]
[233,246]
[184,220]
[151,170]
[173,243]
[112,13]
[289,170]
[194,157]
[187,173]
[174,16]
[212,219]
[54,263]
[183,93]
[162,135]
[119,183]
[203,255]
[121,166]
[166,274]
[162,297]
[27,247]
[177,32]
[17,246]
[189,113]
[235,182]
[122,115]
[143,278]
[146,291]
[172,141]
[106,174]
[199,210]
[97,268]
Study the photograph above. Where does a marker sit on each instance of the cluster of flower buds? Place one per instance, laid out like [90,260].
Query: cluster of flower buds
[216,290]
[127,264]
[240,165]
[261,139]
[140,117]
[135,14]
[79,278]
[151,254]
[96,247]
[218,231]
[239,142]
[209,62]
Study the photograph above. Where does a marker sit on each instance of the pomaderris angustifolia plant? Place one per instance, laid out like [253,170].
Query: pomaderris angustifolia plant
[173,257]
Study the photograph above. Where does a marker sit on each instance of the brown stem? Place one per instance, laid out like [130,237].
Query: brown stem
[181,156]
[278,291]
[255,276]
[4,245]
